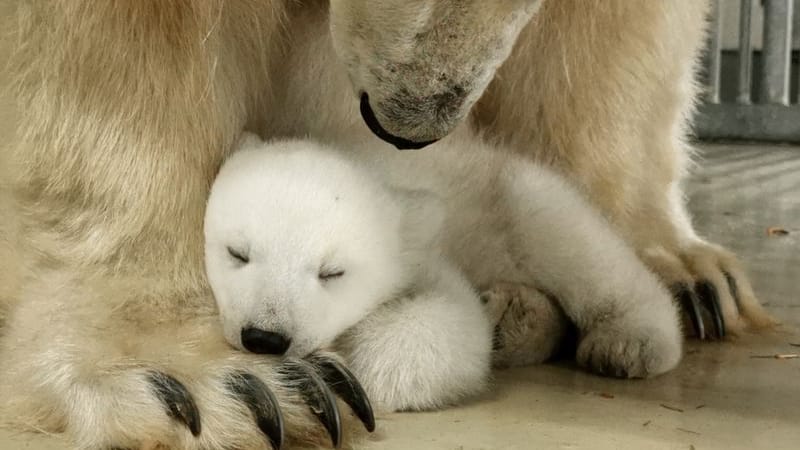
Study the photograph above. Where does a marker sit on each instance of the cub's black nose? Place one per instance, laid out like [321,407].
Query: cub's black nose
[264,342]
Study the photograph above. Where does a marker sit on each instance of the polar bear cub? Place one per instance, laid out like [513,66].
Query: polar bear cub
[301,245]
[379,254]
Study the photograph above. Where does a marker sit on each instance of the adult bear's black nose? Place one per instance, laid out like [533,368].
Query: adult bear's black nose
[372,122]
[264,342]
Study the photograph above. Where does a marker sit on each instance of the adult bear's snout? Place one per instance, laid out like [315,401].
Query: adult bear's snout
[375,126]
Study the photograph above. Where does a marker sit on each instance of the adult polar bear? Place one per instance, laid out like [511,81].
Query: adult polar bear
[128,109]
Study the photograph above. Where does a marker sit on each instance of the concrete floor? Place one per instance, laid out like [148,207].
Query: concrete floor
[719,398]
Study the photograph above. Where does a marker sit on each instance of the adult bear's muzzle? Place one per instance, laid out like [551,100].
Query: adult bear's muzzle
[375,126]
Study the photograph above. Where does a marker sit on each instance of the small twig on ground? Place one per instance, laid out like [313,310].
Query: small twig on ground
[778,356]
[671,408]
[647,423]
[605,395]
[688,431]
[777,231]
[700,406]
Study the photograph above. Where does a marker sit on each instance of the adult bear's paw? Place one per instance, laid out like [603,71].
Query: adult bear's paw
[712,288]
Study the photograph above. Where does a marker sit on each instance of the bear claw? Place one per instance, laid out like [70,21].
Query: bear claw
[708,293]
[177,400]
[346,386]
[304,377]
[703,296]
[262,403]
[691,304]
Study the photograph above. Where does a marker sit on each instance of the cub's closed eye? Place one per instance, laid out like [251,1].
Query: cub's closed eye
[331,274]
[240,256]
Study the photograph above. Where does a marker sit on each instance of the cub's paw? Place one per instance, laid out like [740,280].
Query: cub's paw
[612,349]
[712,288]
[529,325]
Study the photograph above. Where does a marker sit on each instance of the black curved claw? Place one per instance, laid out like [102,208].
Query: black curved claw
[262,403]
[709,295]
[690,301]
[316,394]
[346,386]
[177,400]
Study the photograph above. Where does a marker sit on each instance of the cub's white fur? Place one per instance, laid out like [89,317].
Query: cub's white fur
[415,235]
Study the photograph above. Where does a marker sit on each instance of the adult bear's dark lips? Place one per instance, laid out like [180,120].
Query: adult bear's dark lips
[372,122]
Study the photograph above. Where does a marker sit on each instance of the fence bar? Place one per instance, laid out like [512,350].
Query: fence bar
[774,117]
[745,52]
[777,51]
[796,40]
[714,54]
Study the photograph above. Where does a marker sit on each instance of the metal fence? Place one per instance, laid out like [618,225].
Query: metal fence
[752,93]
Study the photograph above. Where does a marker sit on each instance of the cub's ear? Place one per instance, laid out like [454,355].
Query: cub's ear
[249,140]
[423,216]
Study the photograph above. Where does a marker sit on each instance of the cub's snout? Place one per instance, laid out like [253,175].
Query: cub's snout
[264,342]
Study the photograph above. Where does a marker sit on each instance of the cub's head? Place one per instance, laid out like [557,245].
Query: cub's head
[419,65]
[301,245]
